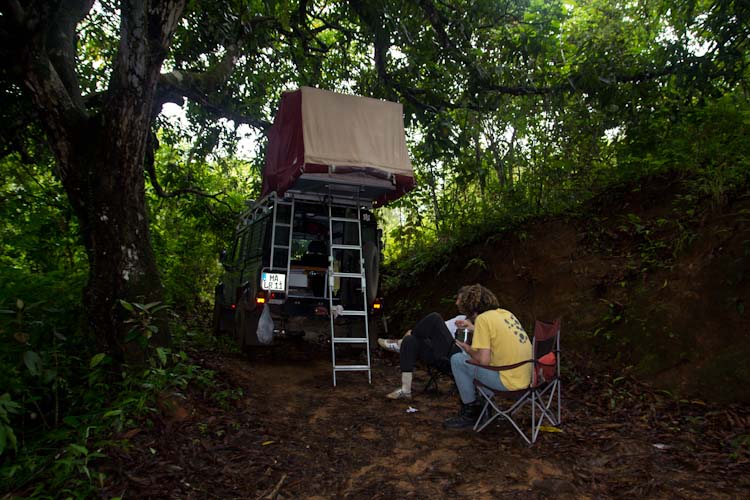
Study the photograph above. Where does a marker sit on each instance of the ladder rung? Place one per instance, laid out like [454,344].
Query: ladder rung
[353,313]
[281,246]
[282,224]
[347,275]
[346,247]
[351,368]
[350,340]
[343,219]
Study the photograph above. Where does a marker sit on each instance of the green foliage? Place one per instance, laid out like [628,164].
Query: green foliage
[37,224]
[56,427]
[654,251]
[514,110]
[34,339]
[487,166]
[63,400]
[476,262]
[41,365]
[142,320]
[189,231]
[7,437]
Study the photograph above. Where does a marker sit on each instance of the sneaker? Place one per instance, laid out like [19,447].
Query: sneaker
[390,344]
[399,394]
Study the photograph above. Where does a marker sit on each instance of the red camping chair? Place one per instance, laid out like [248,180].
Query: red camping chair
[543,395]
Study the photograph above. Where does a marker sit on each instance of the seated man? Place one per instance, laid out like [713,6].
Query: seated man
[431,340]
[499,340]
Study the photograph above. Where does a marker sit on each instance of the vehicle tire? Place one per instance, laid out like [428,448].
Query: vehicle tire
[376,330]
[372,270]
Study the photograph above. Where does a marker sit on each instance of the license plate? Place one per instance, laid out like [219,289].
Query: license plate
[273,281]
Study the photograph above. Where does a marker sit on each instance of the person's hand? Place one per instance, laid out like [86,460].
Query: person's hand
[463,345]
[465,323]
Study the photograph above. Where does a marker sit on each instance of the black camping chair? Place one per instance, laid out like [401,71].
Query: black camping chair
[441,369]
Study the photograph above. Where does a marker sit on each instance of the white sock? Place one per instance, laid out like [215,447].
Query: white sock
[406,382]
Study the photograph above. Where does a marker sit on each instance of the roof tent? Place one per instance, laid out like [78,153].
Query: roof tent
[325,142]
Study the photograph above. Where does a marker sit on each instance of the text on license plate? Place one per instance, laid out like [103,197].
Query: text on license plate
[273,281]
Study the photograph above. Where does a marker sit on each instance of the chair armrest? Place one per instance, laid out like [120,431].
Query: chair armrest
[499,368]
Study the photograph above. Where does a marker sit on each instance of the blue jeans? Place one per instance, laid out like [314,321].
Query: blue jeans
[464,375]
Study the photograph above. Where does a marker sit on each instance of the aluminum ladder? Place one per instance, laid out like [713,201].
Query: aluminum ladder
[281,239]
[334,274]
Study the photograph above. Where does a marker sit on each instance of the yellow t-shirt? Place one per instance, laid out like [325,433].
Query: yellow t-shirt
[500,331]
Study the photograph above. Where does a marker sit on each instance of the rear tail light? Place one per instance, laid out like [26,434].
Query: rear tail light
[377,305]
[260,298]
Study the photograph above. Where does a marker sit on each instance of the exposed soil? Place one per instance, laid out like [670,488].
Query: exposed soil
[293,435]
[652,288]
[649,278]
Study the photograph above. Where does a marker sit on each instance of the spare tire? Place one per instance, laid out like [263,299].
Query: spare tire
[372,270]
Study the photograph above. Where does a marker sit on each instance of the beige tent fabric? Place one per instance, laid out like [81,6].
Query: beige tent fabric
[346,130]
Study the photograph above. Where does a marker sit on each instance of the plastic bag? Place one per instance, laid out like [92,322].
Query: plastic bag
[265,326]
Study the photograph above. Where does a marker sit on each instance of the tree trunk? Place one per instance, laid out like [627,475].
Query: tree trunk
[100,152]
[106,188]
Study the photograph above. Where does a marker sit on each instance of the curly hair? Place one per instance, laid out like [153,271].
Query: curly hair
[476,299]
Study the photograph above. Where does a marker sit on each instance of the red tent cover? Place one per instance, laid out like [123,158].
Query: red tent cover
[321,132]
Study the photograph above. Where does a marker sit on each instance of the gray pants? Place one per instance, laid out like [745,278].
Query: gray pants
[464,375]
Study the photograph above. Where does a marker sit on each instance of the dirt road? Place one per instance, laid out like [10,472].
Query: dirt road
[293,435]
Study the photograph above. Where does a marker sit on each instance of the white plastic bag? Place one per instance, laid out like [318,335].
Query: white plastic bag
[265,326]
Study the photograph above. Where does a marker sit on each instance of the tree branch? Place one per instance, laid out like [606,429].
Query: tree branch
[146,31]
[437,23]
[202,88]
[61,44]
[175,86]
[30,37]
[149,162]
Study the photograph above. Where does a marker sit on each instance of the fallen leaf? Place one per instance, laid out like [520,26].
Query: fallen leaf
[132,432]
[549,428]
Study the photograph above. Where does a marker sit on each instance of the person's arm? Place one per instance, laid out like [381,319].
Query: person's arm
[481,356]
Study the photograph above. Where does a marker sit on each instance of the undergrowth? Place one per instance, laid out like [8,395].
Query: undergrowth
[63,404]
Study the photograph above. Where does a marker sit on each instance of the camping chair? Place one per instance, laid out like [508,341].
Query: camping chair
[436,371]
[542,395]
[441,367]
